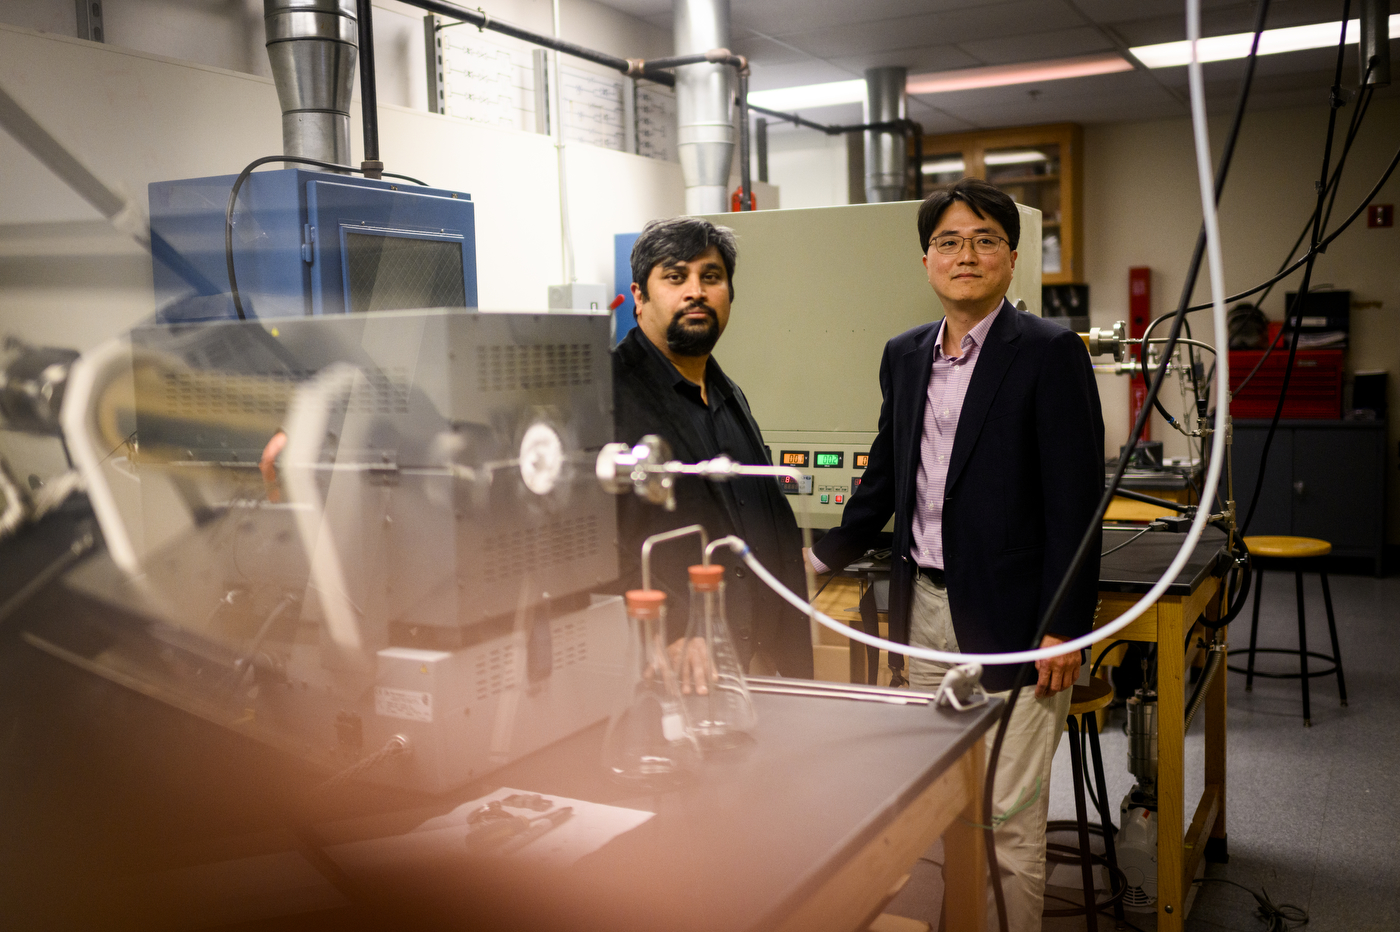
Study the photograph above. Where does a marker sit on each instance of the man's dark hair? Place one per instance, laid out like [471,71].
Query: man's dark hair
[681,239]
[983,199]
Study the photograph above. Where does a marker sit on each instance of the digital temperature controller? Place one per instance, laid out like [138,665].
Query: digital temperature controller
[827,459]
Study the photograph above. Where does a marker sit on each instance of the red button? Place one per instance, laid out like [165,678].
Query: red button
[840,499]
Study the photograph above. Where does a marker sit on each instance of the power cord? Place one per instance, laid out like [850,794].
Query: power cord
[1275,916]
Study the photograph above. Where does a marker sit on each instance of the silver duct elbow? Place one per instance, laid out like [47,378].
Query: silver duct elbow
[704,106]
[885,100]
[312,45]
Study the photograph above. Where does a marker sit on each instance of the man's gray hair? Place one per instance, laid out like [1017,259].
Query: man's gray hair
[681,239]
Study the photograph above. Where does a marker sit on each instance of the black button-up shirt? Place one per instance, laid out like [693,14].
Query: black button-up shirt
[718,420]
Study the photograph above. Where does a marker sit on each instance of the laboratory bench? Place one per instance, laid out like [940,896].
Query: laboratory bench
[125,812]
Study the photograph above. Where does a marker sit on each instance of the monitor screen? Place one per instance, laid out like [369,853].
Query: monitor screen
[390,273]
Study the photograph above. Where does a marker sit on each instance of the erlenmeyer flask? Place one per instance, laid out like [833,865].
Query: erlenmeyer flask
[716,697]
[648,744]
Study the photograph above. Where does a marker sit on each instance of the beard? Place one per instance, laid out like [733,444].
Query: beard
[690,338]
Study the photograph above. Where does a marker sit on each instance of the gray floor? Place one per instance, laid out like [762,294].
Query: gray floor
[1314,817]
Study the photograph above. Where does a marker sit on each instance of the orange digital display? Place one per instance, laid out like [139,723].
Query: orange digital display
[793,458]
[862,460]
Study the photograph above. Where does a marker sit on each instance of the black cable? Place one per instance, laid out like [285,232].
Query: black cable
[233,200]
[1296,319]
[1082,551]
[1288,270]
[1226,155]
[1357,115]
[1125,543]
[1275,916]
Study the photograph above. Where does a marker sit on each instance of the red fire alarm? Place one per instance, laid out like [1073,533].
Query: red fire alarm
[1380,215]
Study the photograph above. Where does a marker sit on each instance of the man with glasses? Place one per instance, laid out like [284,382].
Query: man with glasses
[989,457]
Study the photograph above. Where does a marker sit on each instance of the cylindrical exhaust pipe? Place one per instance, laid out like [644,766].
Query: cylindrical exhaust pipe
[885,101]
[1375,42]
[312,47]
[704,106]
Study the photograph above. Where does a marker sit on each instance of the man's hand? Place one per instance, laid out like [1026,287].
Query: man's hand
[807,558]
[1057,673]
[691,661]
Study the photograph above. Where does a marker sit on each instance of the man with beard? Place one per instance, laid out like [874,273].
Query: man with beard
[666,382]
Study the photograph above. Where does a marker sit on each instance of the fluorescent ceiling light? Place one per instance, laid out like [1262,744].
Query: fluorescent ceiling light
[853,92]
[944,166]
[968,79]
[811,95]
[1273,41]
[1008,157]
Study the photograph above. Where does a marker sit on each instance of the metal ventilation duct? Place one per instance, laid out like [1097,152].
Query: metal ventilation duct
[885,100]
[704,106]
[1375,42]
[312,47]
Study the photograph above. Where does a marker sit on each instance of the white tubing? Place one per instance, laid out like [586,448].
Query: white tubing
[1217,457]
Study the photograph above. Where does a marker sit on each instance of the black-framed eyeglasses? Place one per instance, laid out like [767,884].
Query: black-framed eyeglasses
[983,244]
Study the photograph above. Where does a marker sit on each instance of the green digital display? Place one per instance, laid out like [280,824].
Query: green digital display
[827,460]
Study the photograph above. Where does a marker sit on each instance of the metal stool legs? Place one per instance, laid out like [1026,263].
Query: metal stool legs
[1086,863]
[1254,629]
[1304,673]
[1332,630]
[1104,817]
[1303,650]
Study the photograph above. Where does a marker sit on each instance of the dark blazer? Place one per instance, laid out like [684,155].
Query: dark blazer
[1025,477]
[645,402]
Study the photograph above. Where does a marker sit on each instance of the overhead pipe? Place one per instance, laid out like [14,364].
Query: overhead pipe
[885,152]
[369,93]
[1374,57]
[704,105]
[312,45]
[483,20]
[706,147]
[905,127]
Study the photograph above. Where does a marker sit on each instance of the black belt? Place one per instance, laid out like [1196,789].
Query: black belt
[933,575]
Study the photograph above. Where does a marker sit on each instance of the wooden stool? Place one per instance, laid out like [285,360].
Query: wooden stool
[1085,702]
[1299,554]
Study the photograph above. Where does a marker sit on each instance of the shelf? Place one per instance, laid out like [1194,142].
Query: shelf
[1027,179]
[1059,191]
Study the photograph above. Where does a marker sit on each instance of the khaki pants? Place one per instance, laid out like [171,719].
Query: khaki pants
[1023,770]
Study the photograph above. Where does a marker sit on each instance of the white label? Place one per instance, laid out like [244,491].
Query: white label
[672,726]
[403,703]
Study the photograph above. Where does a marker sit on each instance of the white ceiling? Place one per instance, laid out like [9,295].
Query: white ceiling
[795,42]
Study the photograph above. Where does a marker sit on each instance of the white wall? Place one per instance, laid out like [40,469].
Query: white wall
[808,166]
[68,279]
[1142,208]
[230,34]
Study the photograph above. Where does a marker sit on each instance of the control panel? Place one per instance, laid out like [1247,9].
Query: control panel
[832,464]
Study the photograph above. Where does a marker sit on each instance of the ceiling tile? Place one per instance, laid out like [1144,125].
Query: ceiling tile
[795,74]
[1225,21]
[1062,43]
[917,60]
[787,17]
[929,29]
[767,51]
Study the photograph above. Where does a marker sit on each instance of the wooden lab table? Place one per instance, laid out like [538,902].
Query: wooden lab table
[1123,577]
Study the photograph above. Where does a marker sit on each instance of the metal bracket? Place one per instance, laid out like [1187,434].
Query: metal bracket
[89,19]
